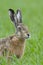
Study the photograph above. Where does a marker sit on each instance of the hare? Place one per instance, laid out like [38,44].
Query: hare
[15,43]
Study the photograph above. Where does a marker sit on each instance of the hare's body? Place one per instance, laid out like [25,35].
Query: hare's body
[14,44]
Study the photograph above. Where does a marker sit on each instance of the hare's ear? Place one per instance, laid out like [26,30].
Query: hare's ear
[19,16]
[12,16]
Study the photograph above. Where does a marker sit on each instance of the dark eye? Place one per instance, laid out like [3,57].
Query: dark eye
[19,28]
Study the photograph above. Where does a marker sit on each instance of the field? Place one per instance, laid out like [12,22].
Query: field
[32,12]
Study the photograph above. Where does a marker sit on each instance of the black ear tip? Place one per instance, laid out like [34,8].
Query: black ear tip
[18,10]
[11,10]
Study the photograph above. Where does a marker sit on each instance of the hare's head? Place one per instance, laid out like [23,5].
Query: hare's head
[21,30]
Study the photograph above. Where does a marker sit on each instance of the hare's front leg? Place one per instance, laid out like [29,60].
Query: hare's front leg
[0,53]
[1,49]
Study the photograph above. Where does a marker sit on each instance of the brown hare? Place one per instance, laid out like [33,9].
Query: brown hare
[15,44]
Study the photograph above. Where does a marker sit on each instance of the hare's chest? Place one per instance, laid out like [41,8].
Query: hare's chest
[19,49]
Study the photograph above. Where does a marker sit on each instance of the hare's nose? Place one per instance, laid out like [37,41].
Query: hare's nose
[28,35]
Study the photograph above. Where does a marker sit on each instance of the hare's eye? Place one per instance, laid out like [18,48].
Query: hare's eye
[19,28]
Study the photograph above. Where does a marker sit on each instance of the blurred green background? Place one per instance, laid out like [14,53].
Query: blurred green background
[32,12]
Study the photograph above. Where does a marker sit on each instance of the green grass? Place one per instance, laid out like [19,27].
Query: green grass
[32,12]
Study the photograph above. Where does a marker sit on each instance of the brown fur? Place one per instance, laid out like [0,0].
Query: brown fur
[13,45]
